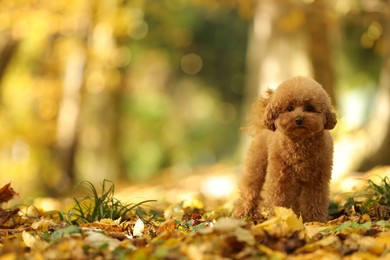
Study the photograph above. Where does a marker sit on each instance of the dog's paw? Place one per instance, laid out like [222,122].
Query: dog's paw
[249,214]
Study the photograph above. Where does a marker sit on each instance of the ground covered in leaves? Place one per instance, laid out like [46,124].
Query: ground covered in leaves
[99,226]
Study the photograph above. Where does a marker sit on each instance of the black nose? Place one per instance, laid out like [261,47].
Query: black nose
[299,121]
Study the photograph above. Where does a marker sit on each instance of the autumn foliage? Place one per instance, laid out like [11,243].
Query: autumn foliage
[188,230]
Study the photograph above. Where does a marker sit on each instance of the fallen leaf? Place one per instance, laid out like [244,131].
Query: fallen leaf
[43,224]
[98,240]
[174,212]
[348,225]
[383,223]
[327,242]
[225,225]
[60,233]
[7,193]
[33,242]
[193,252]
[288,215]
[138,228]
[244,235]
[168,226]
[5,215]
[284,221]
[272,253]
[383,240]
[105,224]
[111,222]
[314,228]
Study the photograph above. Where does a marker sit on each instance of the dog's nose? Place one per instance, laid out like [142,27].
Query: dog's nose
[299,121]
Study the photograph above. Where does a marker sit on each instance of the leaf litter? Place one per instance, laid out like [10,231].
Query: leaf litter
[188,230]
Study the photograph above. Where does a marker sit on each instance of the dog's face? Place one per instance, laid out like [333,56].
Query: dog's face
[300,107]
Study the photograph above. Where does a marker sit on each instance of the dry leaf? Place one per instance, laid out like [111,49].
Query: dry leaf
[97,240]
[7,193]
[167,226]
[174,212]
[33,242]
[138,228]
[291,219]
[284,221]
[314,228]
[43,224]
[244,235]
[225,225]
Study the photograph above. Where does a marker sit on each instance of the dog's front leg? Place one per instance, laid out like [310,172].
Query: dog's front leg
[250,195]
[283,191]
[314,202]
[253,181]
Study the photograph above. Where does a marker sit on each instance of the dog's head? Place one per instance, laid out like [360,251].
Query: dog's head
[299,107]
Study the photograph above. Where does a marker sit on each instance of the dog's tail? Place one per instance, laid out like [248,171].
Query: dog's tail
[256,114]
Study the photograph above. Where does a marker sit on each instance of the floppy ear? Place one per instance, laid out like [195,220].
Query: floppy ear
[269,117]
[330,120]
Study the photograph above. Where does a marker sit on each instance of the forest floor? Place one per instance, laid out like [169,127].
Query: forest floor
[189,217]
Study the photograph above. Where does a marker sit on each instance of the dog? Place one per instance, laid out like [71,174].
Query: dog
[291,155]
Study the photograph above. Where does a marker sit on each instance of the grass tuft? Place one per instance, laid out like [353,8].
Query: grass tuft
[374,200]
[379,193]
[95,206]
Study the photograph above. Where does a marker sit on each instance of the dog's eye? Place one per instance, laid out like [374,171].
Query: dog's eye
[290,108]
[309,108]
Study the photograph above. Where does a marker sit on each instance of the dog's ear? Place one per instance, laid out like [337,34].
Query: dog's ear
[269,117]
[269,112]
[331,120]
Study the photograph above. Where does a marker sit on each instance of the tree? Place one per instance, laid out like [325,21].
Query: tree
[290,38]
[377,141]
[319,47]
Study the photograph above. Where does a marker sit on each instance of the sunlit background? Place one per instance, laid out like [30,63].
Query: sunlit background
[134,90]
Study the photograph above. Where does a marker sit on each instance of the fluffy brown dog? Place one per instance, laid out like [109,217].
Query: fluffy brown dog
[292,151]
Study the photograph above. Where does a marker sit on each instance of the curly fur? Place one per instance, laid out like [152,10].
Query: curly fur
[291,155]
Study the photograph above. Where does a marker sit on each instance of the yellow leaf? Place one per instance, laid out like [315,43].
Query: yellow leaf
[285,218]
[259,228]
[193,252]
[268,251]
[109,221]
[9,256]
[244,235]
[327,242]
[361,255]
[366,217]
[33,242]
[383,240]
[312,230]
[226,225]
[174,212]
[167,226]
[43,224]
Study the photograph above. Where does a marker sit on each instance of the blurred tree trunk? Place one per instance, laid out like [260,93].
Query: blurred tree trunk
[89,117]
[8,47]
[277,47]
[319,45]
[370,146]
[68,124]
[99,154]
[289,39]
[378,141]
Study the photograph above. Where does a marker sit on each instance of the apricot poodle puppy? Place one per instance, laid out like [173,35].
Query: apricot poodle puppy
[291,154]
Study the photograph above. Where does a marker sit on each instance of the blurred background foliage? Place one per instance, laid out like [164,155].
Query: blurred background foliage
[126,89]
